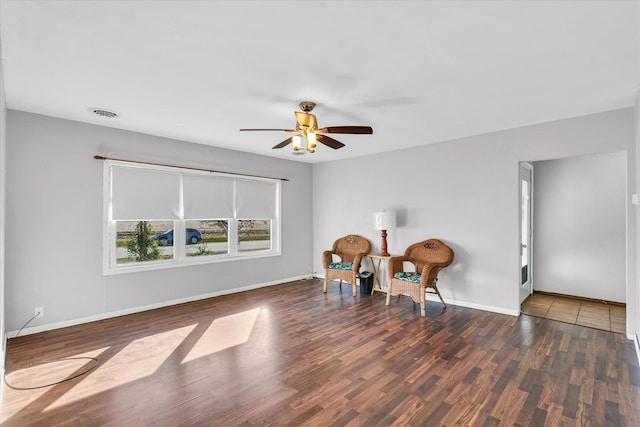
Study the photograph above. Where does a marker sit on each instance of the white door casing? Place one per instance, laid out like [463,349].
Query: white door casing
[526,230]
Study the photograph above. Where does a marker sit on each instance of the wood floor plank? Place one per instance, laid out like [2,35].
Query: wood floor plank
[292,355]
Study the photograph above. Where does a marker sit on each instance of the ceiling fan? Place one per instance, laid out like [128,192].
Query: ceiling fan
[307,128]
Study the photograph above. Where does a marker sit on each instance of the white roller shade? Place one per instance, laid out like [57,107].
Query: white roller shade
[144,194]
[255,199]
[207,197]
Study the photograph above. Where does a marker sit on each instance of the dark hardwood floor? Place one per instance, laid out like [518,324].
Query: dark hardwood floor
[290,355]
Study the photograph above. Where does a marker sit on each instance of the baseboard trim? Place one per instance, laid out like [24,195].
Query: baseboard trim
[117,313]
[578,298]
[467,304]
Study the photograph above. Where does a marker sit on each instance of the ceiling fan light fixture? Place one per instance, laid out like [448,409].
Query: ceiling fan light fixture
[296,142]
[311,140]
[307,128]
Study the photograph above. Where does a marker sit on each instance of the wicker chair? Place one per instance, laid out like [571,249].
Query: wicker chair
[351,249]
[428,257]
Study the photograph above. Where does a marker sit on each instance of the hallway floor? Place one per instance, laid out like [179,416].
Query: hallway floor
[597,315]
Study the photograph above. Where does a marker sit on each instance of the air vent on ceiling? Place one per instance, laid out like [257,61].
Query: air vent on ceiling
[103,113]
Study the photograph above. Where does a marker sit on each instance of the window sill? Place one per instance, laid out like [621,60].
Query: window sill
[162,265]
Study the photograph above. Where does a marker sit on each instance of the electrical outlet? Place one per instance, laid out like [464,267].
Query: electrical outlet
[39,311]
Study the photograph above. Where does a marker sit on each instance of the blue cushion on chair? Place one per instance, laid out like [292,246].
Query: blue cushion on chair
[341,265]
[409,276]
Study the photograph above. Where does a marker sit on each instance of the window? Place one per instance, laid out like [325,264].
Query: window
[212,241]
[160,217]
[254,235]
[140,241]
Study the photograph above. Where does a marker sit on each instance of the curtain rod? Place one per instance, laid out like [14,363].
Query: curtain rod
[99,157]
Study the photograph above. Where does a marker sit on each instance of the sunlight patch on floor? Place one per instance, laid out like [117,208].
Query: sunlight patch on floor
[225,332]
[42,372]
[140,358]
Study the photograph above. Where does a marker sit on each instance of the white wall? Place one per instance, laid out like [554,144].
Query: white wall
[55,225]
[3,144]
[464,192]
[633,294]
[579,216]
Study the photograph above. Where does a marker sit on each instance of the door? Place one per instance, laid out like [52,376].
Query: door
[526,199]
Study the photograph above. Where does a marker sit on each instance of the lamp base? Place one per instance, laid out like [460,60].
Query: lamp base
[383,247]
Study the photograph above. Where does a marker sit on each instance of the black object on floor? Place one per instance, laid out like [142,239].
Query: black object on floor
[366,282]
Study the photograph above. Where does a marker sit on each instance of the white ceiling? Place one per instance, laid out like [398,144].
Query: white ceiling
[417,72]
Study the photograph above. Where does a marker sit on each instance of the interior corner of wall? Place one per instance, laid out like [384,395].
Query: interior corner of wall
[636,344]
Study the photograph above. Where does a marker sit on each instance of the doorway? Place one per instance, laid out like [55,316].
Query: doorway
[526,230]
[578,231]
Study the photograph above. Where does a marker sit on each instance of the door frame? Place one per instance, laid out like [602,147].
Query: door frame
[525,289]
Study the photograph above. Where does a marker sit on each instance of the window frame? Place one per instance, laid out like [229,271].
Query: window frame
[180,258]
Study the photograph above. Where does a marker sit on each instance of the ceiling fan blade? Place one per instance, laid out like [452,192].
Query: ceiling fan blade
[347,129]
[283,143]
[329,142]
[281,130]
[306,120]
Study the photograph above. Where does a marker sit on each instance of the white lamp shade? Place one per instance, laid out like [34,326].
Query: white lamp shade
[384,220]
